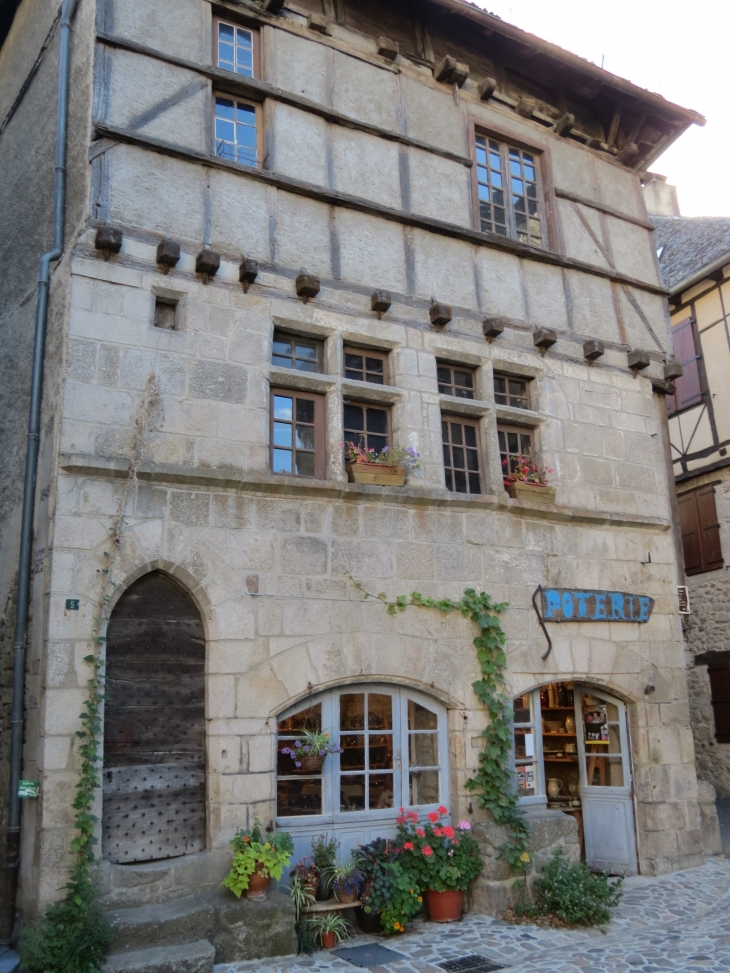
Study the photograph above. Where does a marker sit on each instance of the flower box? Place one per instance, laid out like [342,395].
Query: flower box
[378,474]
[519,490]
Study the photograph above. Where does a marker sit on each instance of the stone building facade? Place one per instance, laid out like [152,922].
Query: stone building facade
[354,164]
[695,262]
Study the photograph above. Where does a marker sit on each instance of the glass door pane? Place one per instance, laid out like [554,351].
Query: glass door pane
[602,737]
[367,761]
[526,756]
[298,789]
[423,755]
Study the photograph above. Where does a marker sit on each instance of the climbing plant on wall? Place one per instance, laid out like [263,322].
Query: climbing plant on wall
[493,783]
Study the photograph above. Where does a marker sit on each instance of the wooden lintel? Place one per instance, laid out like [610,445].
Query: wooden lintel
[603,208]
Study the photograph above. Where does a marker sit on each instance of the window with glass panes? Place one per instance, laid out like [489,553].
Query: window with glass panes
[234,49]
[235,131]
[366,366]
[457,381]
[515,444]
[301,354]
[526,766]
[367,426]
[297,433]
[461,455]
[514,392]
[508,191]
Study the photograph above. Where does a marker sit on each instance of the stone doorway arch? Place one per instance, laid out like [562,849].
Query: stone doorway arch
[154,725]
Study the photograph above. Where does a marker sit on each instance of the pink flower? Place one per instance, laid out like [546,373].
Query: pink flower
[448,831]
[420,832]
[443,810]
[408,846]
[427,851]
[464,826]
[433,817]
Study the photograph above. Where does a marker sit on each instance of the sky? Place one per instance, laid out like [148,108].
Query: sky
[677,49]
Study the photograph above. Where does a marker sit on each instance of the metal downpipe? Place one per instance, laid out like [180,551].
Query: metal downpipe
[68,10]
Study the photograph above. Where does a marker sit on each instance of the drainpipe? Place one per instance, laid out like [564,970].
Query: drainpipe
[68,10]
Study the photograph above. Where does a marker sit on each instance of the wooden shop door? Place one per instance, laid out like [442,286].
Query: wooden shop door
[154,727]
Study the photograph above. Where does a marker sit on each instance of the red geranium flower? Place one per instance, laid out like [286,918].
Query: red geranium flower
[420,832]
[433,816]
[427,851]
[437,832]
[408,846]
[443,810]
[448,831]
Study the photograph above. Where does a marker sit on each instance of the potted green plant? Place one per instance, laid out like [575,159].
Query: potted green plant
[310,751]
[345,879]
[525,480]
[257,858]
[307,874]
[442,859]
[324,856]
[330,929]
[385,468]
[390,895]
[300,894]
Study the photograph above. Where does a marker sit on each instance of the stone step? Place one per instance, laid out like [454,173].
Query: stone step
[197,957]
[185,920]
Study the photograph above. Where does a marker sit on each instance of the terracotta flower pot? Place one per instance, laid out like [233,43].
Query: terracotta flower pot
[312,886]
[258,883]
[344,896]
[329,940]
[444,906]
[311,764]
[379,474]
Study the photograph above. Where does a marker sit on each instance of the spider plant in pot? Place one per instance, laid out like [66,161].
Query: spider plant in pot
[330,929]
[300,894]
[345,880]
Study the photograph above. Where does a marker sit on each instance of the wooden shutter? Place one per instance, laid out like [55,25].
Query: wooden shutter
[700,531]
[688,385]
[720,687]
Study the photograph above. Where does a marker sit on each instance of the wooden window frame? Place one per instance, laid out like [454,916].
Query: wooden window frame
[452,384]
[302,339]
[258,111]
[691,367]
[366,353]
[473,424]
[255,44]
[545,190]
[719,674]
[514,378]
[520,430]
[698,521]
[369,405]
[319,430]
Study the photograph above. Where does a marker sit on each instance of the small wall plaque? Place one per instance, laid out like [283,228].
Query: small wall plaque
[577,605]
[683,597]
[72,604]
[28,788]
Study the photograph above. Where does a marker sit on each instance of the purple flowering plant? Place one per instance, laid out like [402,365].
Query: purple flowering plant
[405,456]
[311,744]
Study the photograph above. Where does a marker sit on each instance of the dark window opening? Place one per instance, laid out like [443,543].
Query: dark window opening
[367,426]
[457,381]
[514,392]
[366,366]
[515,444]
[289,351]
[165,313]
[720,693]
[461,455]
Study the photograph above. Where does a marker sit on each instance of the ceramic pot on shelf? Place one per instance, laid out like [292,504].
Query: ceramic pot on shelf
[570,724]
[554,786]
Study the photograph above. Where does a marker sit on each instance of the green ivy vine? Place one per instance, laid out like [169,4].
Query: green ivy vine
[493,783]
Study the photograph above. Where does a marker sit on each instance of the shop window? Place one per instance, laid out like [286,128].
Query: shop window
[297,433]
[455,380]
[367,426]
[508,191]
[512,391]
[301,354]
[235,48]
[462,468]
[366,366]
[720,690]
[700,530]
[688,386]
[236,131]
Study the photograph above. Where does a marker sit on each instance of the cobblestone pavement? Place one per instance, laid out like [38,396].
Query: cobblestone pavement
[674,924]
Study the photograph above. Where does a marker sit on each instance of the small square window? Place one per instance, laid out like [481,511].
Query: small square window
[515,444]
[511,391]
[235,49]
[297,433]
[236,137]
[290,351]
[165,313]
[461,455]
[366,366]
[456,380]
[367,426]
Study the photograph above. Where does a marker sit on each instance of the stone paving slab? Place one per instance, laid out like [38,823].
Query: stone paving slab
[678,923]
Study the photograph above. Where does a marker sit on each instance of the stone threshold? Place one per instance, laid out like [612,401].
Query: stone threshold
[84,464]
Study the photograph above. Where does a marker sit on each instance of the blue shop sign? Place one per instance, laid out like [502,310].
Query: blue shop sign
[579,605]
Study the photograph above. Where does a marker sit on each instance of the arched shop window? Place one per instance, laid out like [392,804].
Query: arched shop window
[394,754]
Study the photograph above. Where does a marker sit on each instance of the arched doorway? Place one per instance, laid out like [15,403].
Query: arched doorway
[394,753]
[154,725]
[571,751]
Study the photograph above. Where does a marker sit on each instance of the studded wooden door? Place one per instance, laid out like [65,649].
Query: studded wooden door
[154,725]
